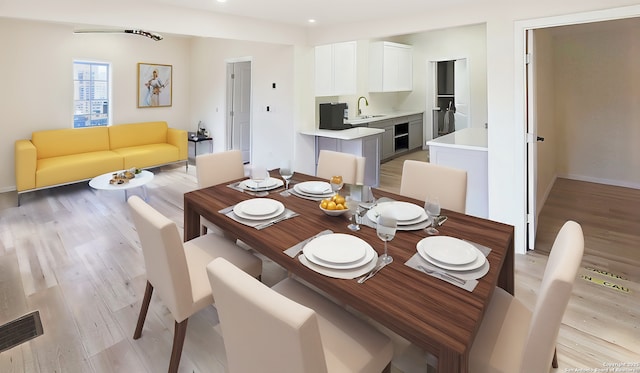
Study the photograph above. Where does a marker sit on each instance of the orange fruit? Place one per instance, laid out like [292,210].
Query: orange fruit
[331,205]
[324,203]
[340,206]
[339,200]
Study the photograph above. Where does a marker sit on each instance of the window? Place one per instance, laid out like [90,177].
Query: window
[91,94]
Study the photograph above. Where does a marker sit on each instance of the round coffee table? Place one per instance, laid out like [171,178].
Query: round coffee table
[102,183]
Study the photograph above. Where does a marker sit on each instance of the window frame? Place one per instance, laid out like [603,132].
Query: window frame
[93,108]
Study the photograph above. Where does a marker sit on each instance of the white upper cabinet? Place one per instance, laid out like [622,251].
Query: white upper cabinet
[336,69]
[390,67]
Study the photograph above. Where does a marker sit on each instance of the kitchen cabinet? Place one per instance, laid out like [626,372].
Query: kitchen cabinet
[335,69]
[387,141]
[401,134]
[415,131]
[390,67]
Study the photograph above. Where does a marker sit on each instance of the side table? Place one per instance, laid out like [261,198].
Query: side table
[195,139]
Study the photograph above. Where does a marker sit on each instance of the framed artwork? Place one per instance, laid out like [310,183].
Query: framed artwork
[154,85]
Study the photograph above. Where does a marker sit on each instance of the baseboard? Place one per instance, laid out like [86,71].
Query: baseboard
[8,189]
[545,196]
[597,180]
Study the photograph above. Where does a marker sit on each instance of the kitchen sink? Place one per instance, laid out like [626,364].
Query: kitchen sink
[370,116]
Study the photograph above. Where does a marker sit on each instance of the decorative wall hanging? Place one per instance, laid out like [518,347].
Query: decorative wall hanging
[154,85]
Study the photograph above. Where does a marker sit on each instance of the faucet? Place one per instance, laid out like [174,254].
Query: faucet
[365,101]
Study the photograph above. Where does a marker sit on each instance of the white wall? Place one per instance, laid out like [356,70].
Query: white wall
[597,109]
[273,131]
[468,42]
[37,94]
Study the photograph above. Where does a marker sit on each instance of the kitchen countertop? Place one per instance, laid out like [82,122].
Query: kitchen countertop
[466,138]
[348,134]
[383,116]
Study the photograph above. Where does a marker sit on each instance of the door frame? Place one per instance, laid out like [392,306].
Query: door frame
[229,104]
[432,92]
[520,92]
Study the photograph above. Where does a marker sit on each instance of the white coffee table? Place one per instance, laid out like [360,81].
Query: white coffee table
[102,183]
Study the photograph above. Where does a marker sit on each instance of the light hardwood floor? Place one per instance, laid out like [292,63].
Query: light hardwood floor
[72,253]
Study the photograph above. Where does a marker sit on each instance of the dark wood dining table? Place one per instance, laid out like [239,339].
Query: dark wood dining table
[435,315]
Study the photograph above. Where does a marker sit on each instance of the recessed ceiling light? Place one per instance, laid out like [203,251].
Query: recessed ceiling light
[312,20]
[222,1]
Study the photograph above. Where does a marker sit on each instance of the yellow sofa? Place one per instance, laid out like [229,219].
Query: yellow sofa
[64,156]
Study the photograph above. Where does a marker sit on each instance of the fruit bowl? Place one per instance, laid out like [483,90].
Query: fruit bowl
[334,206]
[333,212]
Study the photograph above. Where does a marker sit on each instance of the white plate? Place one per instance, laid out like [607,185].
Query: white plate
[339,251]
[405,213]
[259,209]
[314,187]
[425,249]
[449,250]
[270,183]
[321,196]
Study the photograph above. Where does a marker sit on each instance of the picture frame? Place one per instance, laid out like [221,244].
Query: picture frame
[154,85]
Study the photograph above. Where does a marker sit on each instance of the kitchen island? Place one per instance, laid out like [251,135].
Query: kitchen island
[360,141]
[466,149]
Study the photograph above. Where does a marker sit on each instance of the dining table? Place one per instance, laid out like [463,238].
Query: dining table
[436,316]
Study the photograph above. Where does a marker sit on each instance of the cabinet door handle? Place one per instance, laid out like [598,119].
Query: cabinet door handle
[539,138]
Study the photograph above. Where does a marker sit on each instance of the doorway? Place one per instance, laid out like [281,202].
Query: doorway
[448,95]
[239,107]
[540,179]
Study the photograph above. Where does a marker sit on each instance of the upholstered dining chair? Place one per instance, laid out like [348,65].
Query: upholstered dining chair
[177,270]
[216,168]
[290,328]
[512,338]
[421,179]
[349,166]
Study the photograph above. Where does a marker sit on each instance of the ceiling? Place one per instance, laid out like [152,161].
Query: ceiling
[325,12]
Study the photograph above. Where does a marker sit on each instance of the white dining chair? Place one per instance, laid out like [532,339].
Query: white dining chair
[177,270]
[349,166]
[512,338]
[290,328]
[422,179]
[217,168]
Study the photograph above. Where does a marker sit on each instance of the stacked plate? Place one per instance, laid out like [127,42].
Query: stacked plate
[269,184]
[258,209]
[407,214]
[314,189]
[451,253]
[340,251]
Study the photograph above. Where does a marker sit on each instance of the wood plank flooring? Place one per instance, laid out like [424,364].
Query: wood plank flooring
[72,253]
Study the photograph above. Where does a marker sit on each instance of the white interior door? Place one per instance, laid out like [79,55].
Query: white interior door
[461,93]
[532,144]
[239,107]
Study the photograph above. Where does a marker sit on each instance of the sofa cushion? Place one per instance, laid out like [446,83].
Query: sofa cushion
[129,135]
[71,168]
[67,141]
[148,155]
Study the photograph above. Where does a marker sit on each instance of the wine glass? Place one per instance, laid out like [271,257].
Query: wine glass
[258,175]
[386,229]
[432,208]
[286,171]
[336,183]
[353,212]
